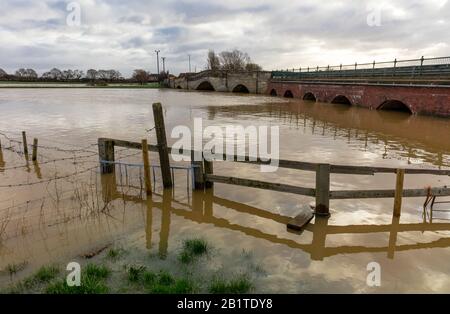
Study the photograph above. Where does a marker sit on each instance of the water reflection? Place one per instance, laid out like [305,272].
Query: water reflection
[409,137]
[37,169]
[2,160]
[201,210]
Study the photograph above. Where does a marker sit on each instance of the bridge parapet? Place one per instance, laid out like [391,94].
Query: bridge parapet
[421,71]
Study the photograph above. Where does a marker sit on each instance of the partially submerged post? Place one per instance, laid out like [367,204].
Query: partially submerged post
[399,192]
[148,184]
[35,147]
[209,169]
[198,173]
[106,155]
[162,145]
[25,144]
[323,190]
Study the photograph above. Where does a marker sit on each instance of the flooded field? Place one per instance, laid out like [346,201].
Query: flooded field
[60,207]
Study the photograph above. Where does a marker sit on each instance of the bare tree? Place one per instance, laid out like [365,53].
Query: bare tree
[234,60]
[3,74]
[253,67]
[141,76]
[67,75]
[27,74]
[53,74]
[91,75]
[213,61]
[114,75]
[102,75]
[78,74]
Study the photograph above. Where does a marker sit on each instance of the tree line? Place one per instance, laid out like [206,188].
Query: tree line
[91,76]
[232,61]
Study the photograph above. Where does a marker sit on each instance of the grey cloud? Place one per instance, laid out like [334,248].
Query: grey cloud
[278,33]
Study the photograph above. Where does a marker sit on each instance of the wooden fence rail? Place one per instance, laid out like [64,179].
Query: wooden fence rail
[203,172]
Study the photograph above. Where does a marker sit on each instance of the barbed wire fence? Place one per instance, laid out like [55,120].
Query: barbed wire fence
[67,196]
[82,159]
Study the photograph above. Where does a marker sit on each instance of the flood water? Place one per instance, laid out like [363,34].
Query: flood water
[60,207]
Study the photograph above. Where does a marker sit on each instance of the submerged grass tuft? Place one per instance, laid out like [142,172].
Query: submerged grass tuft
[178,286]
[92,282]
[135,273]
[97,271]
[115,254]
[13,269]
[239,285]
[46,274]
[159,283]
[88,286]
[192,249]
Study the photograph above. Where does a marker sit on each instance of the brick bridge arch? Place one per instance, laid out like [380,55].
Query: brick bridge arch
[394,105]
[309,97]
[412,99]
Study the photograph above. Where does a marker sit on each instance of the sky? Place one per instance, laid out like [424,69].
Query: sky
[123,35]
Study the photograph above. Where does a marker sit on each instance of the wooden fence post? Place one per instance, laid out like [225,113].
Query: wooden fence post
[198,173]
[106,153]
[323,190]
[399,192]
[35,147]
[25,144]
[162,145]
[209,169]
[148,183]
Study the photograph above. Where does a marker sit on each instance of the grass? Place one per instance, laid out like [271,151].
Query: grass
[129,278]
[97,271]
[44,275]
[165,283]
[179,286]
[88,286]
[192,249]
[159,283]
[93,279]
[135,273]
[13,269]
[239,285]
[115,254]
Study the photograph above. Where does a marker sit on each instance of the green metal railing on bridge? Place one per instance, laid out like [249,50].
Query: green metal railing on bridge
[423,68]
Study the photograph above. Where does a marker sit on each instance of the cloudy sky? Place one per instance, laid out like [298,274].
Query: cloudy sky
[123,35]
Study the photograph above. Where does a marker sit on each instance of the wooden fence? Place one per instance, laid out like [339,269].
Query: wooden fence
[204,176]
[201,210]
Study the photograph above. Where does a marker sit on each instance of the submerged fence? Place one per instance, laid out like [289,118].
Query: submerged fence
[204,177]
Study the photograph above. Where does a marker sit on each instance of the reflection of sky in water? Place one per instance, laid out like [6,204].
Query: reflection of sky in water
[317,133]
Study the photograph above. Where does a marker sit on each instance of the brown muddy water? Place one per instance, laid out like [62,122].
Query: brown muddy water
[60,207]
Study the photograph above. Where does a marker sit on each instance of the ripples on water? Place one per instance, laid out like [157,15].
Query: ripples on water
[256,220]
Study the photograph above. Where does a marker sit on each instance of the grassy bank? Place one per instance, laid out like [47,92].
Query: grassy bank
[129,270]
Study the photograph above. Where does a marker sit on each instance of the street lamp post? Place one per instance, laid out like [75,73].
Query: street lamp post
[189,63]
[164,64]
[157,60]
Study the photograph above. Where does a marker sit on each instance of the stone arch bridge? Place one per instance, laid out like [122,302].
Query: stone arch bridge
[224,81]
[421,89]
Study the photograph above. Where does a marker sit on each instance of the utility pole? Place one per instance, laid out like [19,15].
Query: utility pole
[164,64]
[189,63]
[157,60]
